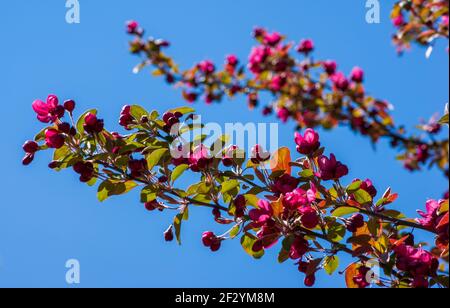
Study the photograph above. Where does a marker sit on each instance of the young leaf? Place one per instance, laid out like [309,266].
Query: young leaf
[331,264]
[154,158]
[281,161]
[178,171]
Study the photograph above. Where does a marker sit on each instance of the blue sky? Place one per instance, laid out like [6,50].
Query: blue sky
[47,218]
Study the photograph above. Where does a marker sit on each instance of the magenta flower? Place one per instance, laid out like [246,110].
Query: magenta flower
[92,124]
[277,83]
[285,184]
[206,67]
[48,111]
[69,105]
[299,248]
[330,168]
[54,139]
[305,46]
[330,67]
[262,214]
[133,27]
[232,60]
[340,81]
[199,158]
[295,199]
[357,75]
[309,217]
[354,223]
[283,114]
[308,143]
[417,261]
[272,39]
[257,58]
[126,119]
[210,240]
[398,21]
[431,215]
[30,147]
[299,198]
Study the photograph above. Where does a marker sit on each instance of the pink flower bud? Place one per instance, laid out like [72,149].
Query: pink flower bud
[54,139]
[308,143]
[305,46]
[357,75]
[69,105]
[30,147]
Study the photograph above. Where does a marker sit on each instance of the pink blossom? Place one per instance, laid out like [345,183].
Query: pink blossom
[200,158]
[357,75]
[305,46]
[283,114]
[330,67]
[417,261]
[308,143]
[309,217]
[431,214]
[330,168]
[54,139]
[277,83]
[262,214]
[398,21]
[285,184]
[340,81]
[207,67]
[272,39]
[232,60]
[132,27]
[92,124]
[257,58]
[30,147]
[48,111]
[299,248]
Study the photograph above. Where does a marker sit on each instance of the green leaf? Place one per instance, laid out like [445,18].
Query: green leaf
[251,200]
[336,232]
[178,171]
[110,188]
[80,121]
[283,256]
[247,242]
[354,187]
[444,120]
[229,185]
[344,211]
[331,264]
[183,110]
[177,225]
[154,158]
[137,112]
[362,197]
[149,194]
[307,174]
[61,153]
[41,135]
[235,231]
[394,214]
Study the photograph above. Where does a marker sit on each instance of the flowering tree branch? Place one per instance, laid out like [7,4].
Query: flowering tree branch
[308,91]
[264,198]
[422,22]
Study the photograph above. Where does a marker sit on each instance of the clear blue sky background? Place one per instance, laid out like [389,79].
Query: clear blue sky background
[47,218]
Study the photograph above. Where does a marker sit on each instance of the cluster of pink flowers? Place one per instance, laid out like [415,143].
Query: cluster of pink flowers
[418,262]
